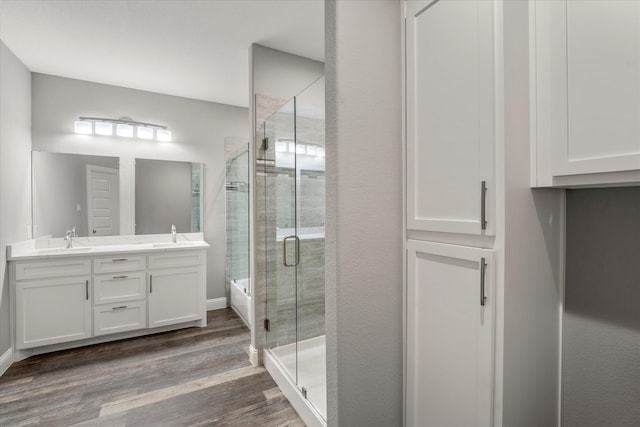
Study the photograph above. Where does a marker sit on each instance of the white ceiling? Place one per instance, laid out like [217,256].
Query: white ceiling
[192,48]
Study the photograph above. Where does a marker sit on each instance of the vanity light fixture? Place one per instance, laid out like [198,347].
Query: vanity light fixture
[82,127]
[123,127]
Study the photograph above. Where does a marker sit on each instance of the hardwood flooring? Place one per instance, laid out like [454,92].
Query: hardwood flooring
[190,377]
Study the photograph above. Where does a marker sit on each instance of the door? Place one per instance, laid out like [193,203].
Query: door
[174,296]
[588,81]
[282,244]
[102,201]
[450,321]
[52,311]
[451,116]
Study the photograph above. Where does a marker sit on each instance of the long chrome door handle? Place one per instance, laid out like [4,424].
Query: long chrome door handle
[483,269]
[284,251]
[483,205]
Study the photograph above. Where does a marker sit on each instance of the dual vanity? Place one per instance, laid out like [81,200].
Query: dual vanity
[104,288]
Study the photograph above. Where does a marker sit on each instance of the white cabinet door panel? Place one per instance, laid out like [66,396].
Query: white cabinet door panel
[451,113]
[587,68]
[449,335]
[52,311]
[176,296]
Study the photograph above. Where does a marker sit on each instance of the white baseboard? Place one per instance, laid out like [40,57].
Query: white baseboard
[5,361]
[216,304]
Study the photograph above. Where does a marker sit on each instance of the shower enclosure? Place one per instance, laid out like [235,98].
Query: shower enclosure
[237,230]
[290,173]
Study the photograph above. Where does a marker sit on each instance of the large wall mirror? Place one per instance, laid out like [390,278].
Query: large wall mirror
[83,191]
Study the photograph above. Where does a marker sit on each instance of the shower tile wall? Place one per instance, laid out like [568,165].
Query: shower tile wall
[237,219]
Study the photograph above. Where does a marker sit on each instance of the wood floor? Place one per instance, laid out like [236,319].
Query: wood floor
[190,377]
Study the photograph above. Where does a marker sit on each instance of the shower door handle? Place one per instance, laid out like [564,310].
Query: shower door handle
[284,251]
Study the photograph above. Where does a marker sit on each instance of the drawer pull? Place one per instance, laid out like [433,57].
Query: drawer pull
[121,307]
[119,277]
[119,260]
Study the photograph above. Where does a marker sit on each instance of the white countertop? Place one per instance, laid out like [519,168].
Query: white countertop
[90,246]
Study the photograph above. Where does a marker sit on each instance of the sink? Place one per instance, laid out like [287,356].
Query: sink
[174,245]
[52,251]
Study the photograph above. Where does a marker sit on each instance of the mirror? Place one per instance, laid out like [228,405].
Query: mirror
[84,191]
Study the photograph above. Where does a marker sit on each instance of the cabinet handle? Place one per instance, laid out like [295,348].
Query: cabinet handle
[150,284]
[118,260]
[483,268]
[119,308]
[119,277]
[483,205]
[86,289]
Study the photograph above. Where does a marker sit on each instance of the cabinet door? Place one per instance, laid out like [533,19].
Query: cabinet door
[587,82]
[450,317]
[52,311]
[451,115]
[176,295]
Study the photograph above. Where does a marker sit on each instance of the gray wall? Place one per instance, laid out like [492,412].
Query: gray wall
[531,250]
[601,327]
[364,262]
[15,169]
[163,196]
[199,129]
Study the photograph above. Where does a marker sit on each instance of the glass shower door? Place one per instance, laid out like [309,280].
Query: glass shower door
[291,159]
[281,241]
[310,215]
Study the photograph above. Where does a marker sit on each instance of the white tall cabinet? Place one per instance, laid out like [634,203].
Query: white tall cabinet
[464,188]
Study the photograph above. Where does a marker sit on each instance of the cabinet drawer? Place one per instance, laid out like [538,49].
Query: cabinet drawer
[112,318]
[119,263]
[47,269]
[116,287]
[175,259]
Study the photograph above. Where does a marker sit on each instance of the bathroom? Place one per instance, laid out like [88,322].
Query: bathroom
[157,183]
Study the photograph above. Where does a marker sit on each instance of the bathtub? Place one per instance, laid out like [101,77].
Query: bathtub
[241,300]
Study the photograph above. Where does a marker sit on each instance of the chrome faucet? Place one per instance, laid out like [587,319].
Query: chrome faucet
[69,237]
[173,234]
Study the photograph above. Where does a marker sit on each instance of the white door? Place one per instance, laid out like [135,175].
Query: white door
[175,296]
[450,318]
[588,84]
[451,115]
[52,311]
[102,201]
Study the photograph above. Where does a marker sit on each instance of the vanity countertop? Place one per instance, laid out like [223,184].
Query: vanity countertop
[32,250]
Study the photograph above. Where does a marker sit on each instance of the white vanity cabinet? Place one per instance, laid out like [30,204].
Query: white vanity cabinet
[585,70]
[176,288]
[52,302]
[119,294]
[105,295]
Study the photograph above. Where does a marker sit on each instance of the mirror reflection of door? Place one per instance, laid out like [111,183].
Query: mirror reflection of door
[102,200]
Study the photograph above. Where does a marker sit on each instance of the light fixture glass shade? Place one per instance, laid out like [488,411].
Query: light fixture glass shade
[163,135]
[301,149]
[281,146]
[292,147]
[311,150]
[320,152]
[144,132]
[82,127]
[103,128]
[125,130]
